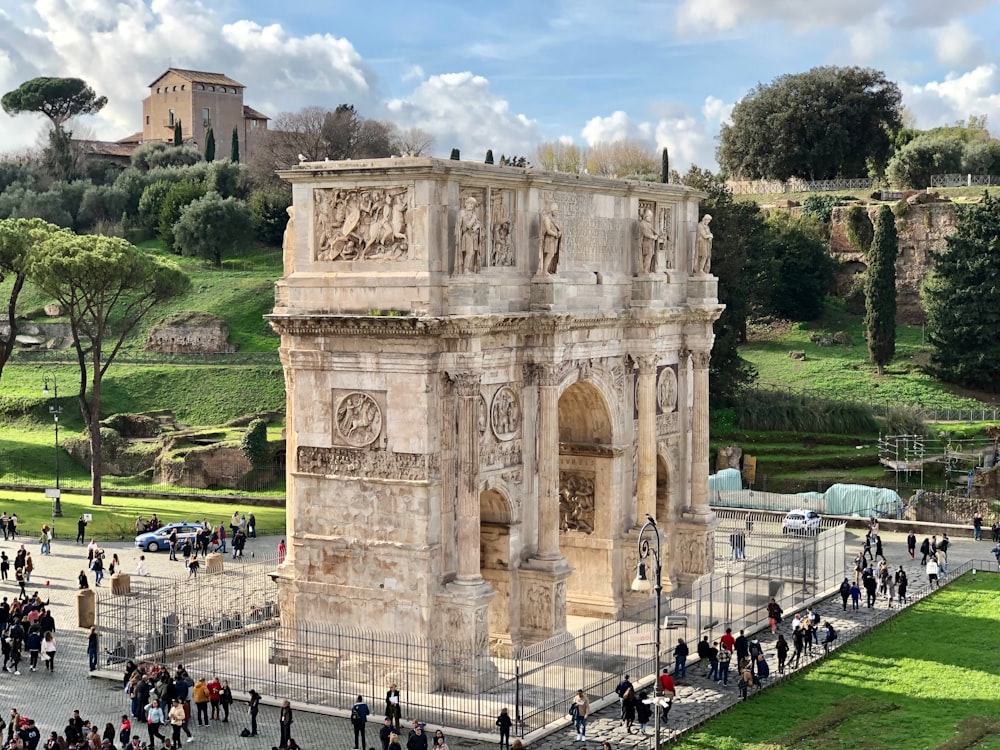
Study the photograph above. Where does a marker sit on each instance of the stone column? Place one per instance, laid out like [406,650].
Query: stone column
[646,490]
[699,435]
[469,571]
[548,463]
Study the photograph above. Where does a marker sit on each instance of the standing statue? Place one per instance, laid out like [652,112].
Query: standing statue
[288,242]
[551,240]
[703,247]
[468,238]
[648,240]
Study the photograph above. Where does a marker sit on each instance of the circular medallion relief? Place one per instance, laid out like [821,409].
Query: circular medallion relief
[359,419]
[505,414]
[666,390]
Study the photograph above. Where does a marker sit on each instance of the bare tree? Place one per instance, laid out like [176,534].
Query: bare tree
[414,142]
[623,159]
[558,156]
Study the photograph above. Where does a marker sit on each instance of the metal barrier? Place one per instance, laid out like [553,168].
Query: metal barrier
[228,627]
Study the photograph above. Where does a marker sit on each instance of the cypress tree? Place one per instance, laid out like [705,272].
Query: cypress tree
[489,156]
[455,155]
[961,297]
[664,166]
[880,290]
[178,133]
[234,149]
[210,145]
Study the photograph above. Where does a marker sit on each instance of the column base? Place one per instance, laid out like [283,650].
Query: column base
[694,553]
[543,599]
[462,622]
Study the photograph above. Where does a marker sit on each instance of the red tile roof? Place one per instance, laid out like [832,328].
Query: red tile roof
[199,76]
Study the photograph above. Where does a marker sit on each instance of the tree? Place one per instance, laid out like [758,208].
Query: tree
[626,158]
[559,156]
[268,214]
[178,134]
[797,270]
[413,142]
[737,252]
[926,155]
[17,237]
[59,99]
[176,199]
[210,145]
[106,286]
[961,297]
[880,290]
[234,147]
[828,122]
[213,227]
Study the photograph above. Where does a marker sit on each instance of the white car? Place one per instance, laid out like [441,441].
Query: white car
[801,521]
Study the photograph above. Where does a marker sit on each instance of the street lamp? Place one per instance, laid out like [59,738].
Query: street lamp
[647,549]
[55,410]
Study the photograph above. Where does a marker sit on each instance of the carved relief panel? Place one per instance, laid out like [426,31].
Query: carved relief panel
[470,230]
[505,414]
[665,222]
[577,507]
[502,228]
[666,390]
[361,224]
[357,417]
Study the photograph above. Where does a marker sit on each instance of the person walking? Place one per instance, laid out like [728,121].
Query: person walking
[580,710]
[359,719]
[911,544]
[798,643]
[45,540]
[643,711]
[193,566]
[901,583]
[725,656]
[282,551]
[830,637]
[81,530]
[504,723]
[97,565]
[932,572]
[628,707]
[680,658]
[253,708]
[33,642]
[845,593]
[92,654]
[214,696]
[620,689]
[285,722]
[49,650]
[977,527]
[154,720]
[781,649]
[925,550]
[667,692]
[774,613]
[178,722]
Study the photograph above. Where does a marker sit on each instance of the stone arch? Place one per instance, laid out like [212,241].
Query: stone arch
[590,498]
[496,553]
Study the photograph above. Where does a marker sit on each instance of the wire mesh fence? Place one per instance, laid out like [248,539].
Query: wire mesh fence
[227,625]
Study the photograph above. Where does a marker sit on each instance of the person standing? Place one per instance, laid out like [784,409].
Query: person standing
[725,656]
[504,723]
[226,700]
[4,566]
[582,710]
[214,696]
[911,544]
[252,526]
[845,593]
[222,538]
[81,530]
[417,739]
[977,527]
[942,553]
[901,584]
[392,707]
[201,701]
[282,551]
[45,540]
[285,722]
[798,643]
[774,612]
[359,718]
[932,572]
[680,658]
[667,692]
[620,691]
[781,649]
[713,661]
[253,708]
[49,649]
[925,550]
[92,655]
[742,647]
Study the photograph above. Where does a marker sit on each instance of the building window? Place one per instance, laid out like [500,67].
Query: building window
[253,123]
[206,117]
[211,88]
[157,89]
[171,118]
[175,88]
[183,86]
[147,119]
[200,87]
[222,89]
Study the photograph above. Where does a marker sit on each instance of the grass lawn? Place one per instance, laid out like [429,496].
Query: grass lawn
[906,685]
[116,517]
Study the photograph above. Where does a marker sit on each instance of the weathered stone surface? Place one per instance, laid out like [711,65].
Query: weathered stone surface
[209,467]
[190,333]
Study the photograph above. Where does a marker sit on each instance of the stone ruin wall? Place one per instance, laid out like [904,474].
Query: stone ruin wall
[922,231]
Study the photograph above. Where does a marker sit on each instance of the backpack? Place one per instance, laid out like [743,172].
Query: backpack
[833,634]
[355,715]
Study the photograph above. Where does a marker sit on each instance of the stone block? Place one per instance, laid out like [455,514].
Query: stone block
[213,563]
[548,293]
[121,584]
[468,295]
[703,288]
[647,291]
[86,608]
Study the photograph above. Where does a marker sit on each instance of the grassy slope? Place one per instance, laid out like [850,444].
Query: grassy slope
[931,661]
[843,372]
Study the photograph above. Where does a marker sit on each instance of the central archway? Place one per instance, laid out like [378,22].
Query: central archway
[589,500]
[496,519]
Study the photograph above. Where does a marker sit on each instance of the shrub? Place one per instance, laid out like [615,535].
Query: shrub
[212,227]
[820,206]
[101,203]
[778,410]
[926,155]
[268,216]
[254,443]
[179,197]
[152,155]
[902,421]
[859,228]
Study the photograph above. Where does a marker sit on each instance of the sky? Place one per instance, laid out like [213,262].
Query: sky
[508,74]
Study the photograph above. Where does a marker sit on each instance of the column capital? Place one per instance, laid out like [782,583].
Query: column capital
[549,374]
[646,363]
[467,383]
[701,359]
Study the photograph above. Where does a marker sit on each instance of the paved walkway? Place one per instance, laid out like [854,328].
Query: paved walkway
[50,698]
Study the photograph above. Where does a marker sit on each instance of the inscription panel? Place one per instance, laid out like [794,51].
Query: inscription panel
[590,241]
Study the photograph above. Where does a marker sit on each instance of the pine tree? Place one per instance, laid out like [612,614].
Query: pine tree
[962,300]
[178,134]
[234,149]
[880,290]
[210,145]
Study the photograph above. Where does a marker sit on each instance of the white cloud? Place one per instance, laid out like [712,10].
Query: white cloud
[725,15]
[690,139]
[957,47]
[975,92]
[119,46]
[461,111]
[413,73]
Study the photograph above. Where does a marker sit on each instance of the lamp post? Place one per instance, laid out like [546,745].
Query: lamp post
[55,410]
[651,548]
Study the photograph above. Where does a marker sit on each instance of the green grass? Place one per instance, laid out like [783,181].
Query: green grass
[934,661]
[844,373]
[115,518]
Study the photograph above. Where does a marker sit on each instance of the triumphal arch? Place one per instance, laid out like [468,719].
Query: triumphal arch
[493,375]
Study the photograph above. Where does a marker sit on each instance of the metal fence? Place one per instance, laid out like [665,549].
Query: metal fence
[761,187]
[963,180]
[225,625]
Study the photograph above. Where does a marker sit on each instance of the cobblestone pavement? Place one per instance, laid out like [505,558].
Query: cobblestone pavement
[49,698]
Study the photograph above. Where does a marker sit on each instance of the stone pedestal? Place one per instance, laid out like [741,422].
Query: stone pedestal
[647,290]
[462,622]
[86,608]
[121,584]
[468,294]
[213,563]
[694,550]
[543,599]
[548,293]
[703,287]
[675,290]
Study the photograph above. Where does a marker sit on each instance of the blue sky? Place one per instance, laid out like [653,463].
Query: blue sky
[506,75]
